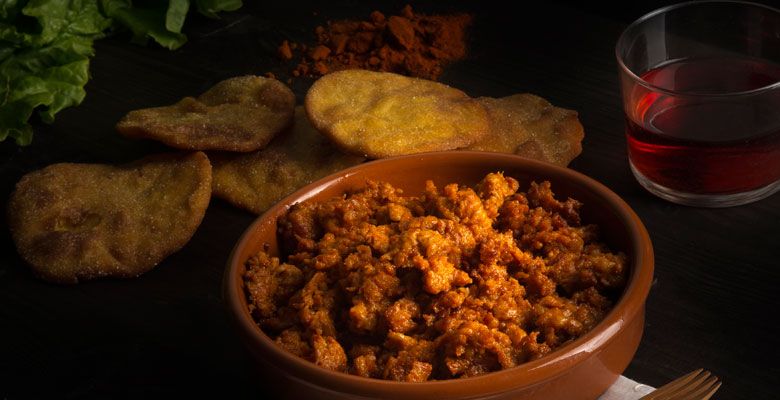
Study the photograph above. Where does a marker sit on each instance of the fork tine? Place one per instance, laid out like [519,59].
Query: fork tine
[672,386]
[712,391]
[689,390]
[701,389]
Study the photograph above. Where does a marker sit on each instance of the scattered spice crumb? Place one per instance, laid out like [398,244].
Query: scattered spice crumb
[285,52]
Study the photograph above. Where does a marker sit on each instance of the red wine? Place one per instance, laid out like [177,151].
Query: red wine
[719,137]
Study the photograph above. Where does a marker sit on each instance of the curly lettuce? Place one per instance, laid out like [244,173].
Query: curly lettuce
[45,47]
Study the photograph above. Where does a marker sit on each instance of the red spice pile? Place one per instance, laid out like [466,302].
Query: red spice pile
[409,44]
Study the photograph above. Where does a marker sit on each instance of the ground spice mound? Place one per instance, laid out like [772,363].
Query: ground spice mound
[409,44]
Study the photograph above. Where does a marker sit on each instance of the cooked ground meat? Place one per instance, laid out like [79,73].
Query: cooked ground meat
[452,283]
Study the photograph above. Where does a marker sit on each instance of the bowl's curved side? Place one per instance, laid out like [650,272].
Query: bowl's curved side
[591,362]
[595,374]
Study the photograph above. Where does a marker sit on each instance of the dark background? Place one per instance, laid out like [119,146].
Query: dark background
[713,304]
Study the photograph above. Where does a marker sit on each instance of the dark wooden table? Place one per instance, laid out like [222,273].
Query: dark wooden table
[714,303]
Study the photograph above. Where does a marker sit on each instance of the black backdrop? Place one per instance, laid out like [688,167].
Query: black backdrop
[713,304]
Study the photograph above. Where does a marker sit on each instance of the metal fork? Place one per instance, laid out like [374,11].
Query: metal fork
[698,385]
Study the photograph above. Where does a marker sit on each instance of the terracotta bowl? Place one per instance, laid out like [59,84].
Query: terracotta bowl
[582,369]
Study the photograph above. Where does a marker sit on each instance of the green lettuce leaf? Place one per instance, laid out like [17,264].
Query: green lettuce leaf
[162,20]
[58,17]
[45,46]
[151,21]
[177,12]
[210,8]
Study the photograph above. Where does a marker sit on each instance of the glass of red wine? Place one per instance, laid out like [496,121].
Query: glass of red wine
[701,92]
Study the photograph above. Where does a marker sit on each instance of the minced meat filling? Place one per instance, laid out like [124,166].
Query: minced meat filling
[453,283]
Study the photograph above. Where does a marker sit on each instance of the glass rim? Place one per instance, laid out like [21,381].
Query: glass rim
[620,45]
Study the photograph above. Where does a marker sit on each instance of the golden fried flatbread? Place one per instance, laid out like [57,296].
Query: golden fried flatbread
[380,114]
[238,114]
[530,126]
[298,156]
[74,222]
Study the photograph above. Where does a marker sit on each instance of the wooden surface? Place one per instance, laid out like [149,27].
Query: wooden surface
[713,304]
